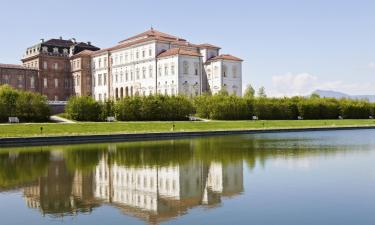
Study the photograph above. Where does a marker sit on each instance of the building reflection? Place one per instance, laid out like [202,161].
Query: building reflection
[152,193]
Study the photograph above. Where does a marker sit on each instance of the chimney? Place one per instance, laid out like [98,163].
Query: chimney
[73,40]
[60,37]
[89,42]
[41,40]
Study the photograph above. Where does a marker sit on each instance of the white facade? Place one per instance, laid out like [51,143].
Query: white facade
[154,62]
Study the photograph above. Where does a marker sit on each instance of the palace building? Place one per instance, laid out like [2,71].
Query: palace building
[152,62]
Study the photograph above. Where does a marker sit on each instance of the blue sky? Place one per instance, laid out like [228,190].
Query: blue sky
[290,47]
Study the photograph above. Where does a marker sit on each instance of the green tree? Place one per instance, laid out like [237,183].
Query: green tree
[83,108]
[262,92]
[249,92]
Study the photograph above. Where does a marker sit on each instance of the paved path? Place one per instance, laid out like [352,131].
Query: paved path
[58,119]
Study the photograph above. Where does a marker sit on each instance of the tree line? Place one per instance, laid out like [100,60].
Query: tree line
[221,106]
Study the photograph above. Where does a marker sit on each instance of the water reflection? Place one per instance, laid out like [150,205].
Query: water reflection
[154,181]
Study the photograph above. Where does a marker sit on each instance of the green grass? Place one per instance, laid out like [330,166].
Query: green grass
[53,129]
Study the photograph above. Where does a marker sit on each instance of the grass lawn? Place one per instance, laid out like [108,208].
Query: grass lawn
[53,129]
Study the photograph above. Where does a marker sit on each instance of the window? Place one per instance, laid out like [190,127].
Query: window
[56,66]
[116,77]
[56,83]
[55,50]
[126,57]
[137,55]
[143,53]
[160,69]
[32,82]
[150,52]
[6,79]
[93,81]
[216,71]
[120,59]
[99,79]
[45,65]
[166,70]
[150,71]
[137,73]
[104,79]
[131,75]
[185,67]
[172,68]
[225,72]
[78,80]
[121,76]
[45,82]
[196,68]
[105,62]
[126,75]
[234,71]
[66,83]
[100,63]
[209,73]
[144,72]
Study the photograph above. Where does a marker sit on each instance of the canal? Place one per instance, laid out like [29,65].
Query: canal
[321,177]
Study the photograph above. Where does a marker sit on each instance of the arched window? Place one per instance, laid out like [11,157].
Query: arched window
[185,66]
[126,91]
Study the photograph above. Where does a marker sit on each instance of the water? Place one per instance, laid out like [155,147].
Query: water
[290,178]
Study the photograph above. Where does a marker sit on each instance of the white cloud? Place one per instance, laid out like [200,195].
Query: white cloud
[304,84]
[371,65]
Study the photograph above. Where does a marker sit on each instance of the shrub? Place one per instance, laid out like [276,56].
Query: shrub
[32,107]
[8,100]
[223,107]
[83,109]
[274,109]
[27,106]
[319,108]
[154,107]
[355,109]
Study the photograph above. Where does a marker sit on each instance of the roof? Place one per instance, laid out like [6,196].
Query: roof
[128,44]
[59,42]
[178,51]
[153,33]
[206,45]
[84,53]
[225,57]
[14,66]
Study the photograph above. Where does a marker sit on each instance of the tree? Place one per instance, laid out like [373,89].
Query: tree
[262,92]
[249,92]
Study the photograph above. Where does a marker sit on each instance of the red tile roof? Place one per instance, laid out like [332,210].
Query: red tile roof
[153,33]
[178,51]
[225,57]
[205,45]
[13,66]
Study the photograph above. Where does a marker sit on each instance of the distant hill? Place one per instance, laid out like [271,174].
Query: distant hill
[336,94]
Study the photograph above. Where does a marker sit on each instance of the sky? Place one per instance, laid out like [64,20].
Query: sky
[291,47]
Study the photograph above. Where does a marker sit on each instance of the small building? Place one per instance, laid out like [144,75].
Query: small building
[19,77]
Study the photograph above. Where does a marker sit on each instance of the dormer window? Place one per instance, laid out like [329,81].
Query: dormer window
[65,51]
[55,50]
[45,49]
